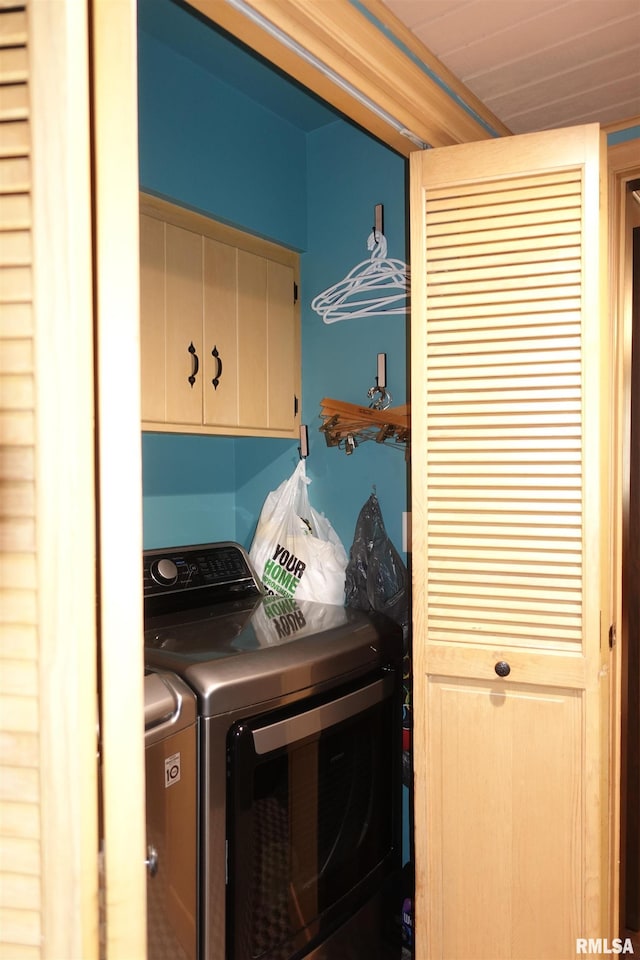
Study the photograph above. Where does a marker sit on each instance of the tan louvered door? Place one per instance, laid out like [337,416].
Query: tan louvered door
[48,681]
[510,547]
[21,920]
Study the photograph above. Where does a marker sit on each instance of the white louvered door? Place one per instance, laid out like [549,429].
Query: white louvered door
[510,454]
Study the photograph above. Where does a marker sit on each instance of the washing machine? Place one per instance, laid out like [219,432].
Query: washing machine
[171,817]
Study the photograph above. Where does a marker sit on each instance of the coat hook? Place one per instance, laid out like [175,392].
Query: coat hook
[303,449]
[378,214]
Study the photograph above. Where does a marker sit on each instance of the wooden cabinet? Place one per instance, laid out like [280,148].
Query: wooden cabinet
[220,327]
[512,558]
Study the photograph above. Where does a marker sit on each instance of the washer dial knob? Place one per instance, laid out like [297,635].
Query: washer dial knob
[164,572]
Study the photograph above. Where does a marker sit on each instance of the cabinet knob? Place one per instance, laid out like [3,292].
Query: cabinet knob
[502,668]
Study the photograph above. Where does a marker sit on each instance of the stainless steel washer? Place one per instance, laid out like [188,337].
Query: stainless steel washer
[171,808]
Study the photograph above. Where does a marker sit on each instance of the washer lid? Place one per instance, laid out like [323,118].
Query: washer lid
[159,702]
[168,703]
[237,655]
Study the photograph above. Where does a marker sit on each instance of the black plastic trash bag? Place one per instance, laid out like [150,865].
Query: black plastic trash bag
[376,577]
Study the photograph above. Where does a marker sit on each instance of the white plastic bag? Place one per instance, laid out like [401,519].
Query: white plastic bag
[295,550]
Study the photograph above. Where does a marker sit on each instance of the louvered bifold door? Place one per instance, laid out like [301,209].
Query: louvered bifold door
[20,804]
[509,485]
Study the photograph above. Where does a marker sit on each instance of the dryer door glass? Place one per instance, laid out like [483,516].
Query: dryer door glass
[312,818]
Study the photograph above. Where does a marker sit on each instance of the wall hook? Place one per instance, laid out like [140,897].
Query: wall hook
[303,449]
[378,221]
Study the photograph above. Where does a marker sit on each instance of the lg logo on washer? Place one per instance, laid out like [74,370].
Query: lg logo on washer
[171,770]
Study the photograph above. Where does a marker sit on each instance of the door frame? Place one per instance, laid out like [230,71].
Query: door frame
[410,93]
[84,170]
[623,166]
[65,919]
[115,184]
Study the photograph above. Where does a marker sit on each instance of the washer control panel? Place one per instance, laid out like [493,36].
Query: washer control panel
[180,569]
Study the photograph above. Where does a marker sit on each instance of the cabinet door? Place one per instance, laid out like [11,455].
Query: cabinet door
[253,341]
[283,348]
[250,342]
[152,318]
[220,385]
[184,295]
[220,327]
[510,473]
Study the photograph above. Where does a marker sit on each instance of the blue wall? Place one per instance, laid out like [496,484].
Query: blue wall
[212,148]
[624,135]
[348,174]
[207,146]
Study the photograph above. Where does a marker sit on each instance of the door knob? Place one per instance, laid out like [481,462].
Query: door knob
[151,862]
[502,668]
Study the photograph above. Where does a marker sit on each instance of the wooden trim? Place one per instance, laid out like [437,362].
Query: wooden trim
[419,558]
[609,815]
[152,426]
[65,508]
[188,219]
[406,37]
[623,166]
[114,81]
[621,125]
[346,42]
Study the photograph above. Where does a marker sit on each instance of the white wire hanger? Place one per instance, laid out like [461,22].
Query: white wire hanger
[378,286]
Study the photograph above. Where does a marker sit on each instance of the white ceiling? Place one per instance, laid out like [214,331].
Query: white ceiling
[537,64]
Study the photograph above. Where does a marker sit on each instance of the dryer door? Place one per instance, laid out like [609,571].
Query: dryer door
[313,818]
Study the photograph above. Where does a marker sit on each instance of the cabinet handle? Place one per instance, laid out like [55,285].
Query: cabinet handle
[196,364]
[502,668]
[216,379]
